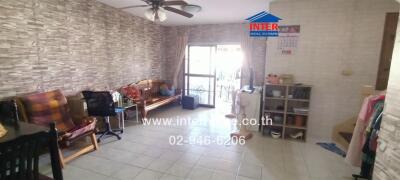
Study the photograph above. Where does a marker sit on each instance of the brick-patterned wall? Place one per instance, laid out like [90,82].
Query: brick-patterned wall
[335,35]
[74,45]
[215,34]
[387,165]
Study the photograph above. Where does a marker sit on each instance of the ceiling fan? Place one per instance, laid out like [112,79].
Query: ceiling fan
[156,12]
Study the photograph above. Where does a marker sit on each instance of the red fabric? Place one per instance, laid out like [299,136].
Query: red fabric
[81,129]
[132,92]
[357,142]
[368,107]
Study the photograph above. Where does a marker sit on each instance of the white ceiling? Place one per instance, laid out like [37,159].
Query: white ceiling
[213,11]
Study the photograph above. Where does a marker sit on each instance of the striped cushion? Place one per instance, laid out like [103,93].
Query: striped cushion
[43,108]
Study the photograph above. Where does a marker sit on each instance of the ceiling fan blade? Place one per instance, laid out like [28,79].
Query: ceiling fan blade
[134,6]
[177,11]
[147,1]
[174,3]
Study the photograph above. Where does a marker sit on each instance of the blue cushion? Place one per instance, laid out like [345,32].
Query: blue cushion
[167,92]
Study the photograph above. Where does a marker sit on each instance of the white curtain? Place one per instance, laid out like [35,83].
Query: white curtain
[247,47]
[181,43]
[246,43]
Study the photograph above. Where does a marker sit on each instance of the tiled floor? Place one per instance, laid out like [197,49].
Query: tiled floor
[144,153]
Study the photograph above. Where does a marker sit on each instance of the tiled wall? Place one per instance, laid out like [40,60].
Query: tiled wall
[336,35]
[387,166]
[215,34]
[73,45]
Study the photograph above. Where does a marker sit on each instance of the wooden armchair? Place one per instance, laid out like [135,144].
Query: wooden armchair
[48,107]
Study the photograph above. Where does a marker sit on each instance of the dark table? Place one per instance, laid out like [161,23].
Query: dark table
[23,129]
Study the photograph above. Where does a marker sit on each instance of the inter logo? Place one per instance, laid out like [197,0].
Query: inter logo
[264,24]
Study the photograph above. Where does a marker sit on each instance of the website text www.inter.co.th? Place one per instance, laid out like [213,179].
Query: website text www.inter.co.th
[187,121]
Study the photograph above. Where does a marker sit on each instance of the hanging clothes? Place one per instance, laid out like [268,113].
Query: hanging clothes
[354,153]
[369,149]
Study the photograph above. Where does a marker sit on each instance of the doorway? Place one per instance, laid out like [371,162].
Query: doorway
[199,74]
[228,67]
[385,61]
[212,72]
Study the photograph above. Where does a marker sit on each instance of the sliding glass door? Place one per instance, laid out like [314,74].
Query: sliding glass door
[200,73]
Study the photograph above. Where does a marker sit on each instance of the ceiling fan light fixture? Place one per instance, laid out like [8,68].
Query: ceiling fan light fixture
[149,14]
[155,15]
[162,16]
[191,8]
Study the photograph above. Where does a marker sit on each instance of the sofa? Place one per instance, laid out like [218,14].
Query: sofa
[146,94]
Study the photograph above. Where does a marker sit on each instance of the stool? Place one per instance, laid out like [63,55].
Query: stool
[190,102]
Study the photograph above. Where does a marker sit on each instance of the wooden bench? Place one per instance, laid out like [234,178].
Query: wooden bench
[150,97]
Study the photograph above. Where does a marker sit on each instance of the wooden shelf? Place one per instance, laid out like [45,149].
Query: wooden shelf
[270,136]
[300,100]
[288,104]
[299,114]
[274,111]
[275,98]
[296,140]
[281,85]
[290,85]
[274,125]
[296,127]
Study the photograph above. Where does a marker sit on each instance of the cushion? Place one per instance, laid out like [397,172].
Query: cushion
[165,91]
[132,92]
[43,108]
[76,106]
[81,129]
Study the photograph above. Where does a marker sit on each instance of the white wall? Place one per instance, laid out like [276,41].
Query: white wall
[336,35]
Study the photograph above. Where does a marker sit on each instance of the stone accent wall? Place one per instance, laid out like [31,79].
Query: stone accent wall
[387,165]
[74,45]
[215,34]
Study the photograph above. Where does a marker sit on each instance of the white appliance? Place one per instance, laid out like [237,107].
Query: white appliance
[248,107]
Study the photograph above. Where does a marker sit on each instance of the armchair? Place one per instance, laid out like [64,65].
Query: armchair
[48,107]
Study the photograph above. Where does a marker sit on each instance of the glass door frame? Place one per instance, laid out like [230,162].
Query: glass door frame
[188,74]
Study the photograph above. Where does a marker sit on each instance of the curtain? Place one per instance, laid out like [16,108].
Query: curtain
[246,43]
[181,43]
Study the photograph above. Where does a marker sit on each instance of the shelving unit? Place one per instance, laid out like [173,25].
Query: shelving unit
[279,104]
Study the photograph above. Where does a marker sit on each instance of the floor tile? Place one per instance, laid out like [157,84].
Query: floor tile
[153,152]
[148,175]
[142,161]
[171,155]
[245,178]
[72,172]
[179,169]
[160,165]
[250,171]
[220,175]
[98,165]
[200,173]
[127,172]
[171,177]
[189,158]
[145,153]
